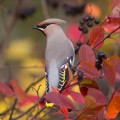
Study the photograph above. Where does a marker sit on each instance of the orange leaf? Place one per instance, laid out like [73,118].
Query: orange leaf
[109,71]
[96,36]
[114,106]
[115,60]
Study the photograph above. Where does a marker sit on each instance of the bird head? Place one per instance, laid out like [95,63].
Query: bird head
[50,25]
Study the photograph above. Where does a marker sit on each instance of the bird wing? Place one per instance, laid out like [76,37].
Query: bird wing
[64,74]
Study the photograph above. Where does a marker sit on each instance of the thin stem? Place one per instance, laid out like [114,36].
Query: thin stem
[35,116]
[106,37]
[32,84]
[18,117]
[13,108]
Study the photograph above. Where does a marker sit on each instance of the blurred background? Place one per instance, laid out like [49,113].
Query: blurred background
[22,48]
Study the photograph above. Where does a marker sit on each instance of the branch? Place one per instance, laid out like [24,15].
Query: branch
[106,37]
[35,116]
[15,102]
[32,84]
[18,117]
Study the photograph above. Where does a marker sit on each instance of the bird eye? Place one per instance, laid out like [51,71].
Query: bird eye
[44,26]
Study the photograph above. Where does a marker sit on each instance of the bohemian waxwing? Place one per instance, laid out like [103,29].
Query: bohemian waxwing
[59,54]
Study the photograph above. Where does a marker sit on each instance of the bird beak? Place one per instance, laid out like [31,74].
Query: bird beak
[35,27]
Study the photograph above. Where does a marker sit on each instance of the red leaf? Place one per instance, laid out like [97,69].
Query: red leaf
[59,99]
[89,69]
[112,21]
[116,12]
[96,36]
[115,60]
[20,94]
[84,91]
[114,106]
[98,95]
[109,72]
[109,28]
[114,3]
[74,34]
[65,111]
[6,90]
[77,97]
[86,54]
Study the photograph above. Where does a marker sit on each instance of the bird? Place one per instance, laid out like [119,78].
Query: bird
[59,54]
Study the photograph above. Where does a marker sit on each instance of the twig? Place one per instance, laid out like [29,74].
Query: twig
[106,37]
[13,108]
[35,116]
[18,117]
[32,84]
[37,90]
[45,9]
[4,113]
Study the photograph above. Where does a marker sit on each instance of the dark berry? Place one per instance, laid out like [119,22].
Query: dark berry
[91,18]
[79,43]
[81,27]
[89,24]
[98,64]
[82,22]
[97,21]
[101,56]
[77,49]
[86,18]
[85,30]
[80,75]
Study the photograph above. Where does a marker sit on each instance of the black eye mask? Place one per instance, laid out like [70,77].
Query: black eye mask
[43,26]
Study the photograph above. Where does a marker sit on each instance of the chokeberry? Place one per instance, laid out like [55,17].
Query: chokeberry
[89,24]
[98,64]
[85,30]
[79,43]
[101,56]
[81,27]
[97,21]
[91,17]
[82,22]
[77,49]
[86,18]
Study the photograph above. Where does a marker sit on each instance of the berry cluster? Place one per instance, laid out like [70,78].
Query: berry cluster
[87,21]
[99,60]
